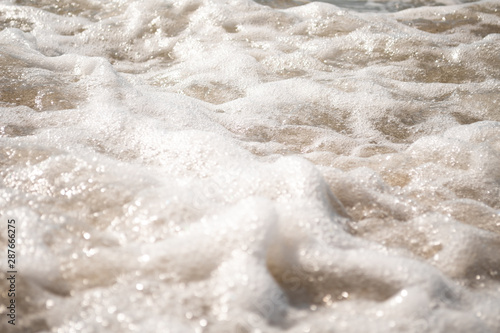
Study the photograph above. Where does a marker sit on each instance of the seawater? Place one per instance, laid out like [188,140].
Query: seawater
[240,166]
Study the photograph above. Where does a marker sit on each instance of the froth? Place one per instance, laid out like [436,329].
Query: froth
[226,166]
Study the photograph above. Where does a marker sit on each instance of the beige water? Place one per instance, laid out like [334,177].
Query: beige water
[232,166]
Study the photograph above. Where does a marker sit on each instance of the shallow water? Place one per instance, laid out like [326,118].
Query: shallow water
[232,166]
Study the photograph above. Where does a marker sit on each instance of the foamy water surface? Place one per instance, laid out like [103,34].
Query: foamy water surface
[240,166]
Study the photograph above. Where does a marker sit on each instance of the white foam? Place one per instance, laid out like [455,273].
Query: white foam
[226,166]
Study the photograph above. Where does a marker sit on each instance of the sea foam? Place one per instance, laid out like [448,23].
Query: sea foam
[233,166]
